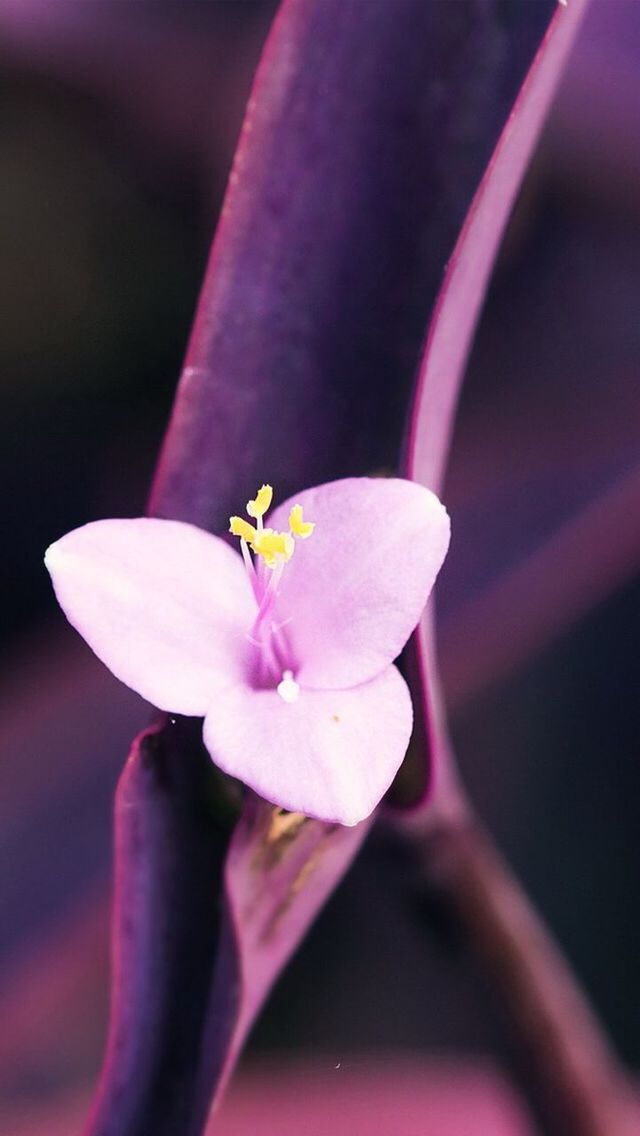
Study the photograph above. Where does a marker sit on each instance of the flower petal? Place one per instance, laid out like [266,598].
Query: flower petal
[331,754]
[165,605]
[354,591]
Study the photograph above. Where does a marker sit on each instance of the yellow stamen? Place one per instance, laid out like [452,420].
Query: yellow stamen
[239,527]
[261,502]
[273,546]
[298,527]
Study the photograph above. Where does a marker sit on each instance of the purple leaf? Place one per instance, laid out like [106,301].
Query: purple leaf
[281,868]
[171,838]
[366,135]
[449,341]
[368,131]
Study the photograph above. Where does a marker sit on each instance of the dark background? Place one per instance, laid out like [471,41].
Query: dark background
[117,127]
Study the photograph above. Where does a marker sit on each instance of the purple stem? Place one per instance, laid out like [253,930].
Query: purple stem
[587,1093]
[580,1085]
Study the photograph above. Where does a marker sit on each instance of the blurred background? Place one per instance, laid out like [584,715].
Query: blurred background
[117,127]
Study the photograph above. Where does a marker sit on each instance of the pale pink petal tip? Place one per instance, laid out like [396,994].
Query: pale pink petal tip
[355,591]
[165,605]
[332,754]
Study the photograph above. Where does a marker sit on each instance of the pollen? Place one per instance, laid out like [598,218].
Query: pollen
[239,527]
[298,526]
[261,502]
[274,547]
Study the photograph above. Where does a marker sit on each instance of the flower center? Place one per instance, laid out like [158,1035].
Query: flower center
[272,550]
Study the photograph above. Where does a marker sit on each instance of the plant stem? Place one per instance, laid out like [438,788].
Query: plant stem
[584,1091]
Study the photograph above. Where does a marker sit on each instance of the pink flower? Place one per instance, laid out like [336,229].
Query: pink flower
[289,657]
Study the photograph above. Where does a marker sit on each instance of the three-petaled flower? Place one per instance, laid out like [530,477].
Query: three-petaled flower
[289,656]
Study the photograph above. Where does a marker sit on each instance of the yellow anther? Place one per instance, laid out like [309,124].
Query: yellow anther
[239,527]
[273,546]
[299,527]
[261,502]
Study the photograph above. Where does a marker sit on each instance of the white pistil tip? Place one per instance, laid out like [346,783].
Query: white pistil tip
[288,688]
